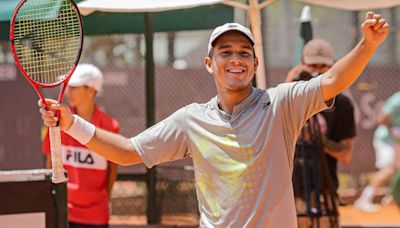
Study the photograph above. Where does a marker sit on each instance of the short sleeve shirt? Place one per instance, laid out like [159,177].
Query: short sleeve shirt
[243,162]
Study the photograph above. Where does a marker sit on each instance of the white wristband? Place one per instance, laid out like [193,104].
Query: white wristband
[81,130]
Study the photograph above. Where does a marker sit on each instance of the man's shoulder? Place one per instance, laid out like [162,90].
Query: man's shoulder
[193,107]
[286,87]
[282,90]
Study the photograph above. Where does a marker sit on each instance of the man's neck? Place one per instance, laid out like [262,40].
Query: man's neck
[228,100]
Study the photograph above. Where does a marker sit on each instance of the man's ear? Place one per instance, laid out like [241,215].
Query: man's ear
[207,64]
[255,64]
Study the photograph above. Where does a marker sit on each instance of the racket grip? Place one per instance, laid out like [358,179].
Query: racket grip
[56,156]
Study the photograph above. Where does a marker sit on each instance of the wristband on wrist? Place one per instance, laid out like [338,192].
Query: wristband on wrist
[81,130]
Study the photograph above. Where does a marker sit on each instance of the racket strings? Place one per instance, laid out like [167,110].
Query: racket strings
[47,39]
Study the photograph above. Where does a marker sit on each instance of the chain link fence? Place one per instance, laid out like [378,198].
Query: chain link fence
[180,79]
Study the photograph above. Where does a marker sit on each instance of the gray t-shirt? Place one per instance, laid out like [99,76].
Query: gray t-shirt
[243,162]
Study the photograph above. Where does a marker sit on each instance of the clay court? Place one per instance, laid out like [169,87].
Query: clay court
[389,216]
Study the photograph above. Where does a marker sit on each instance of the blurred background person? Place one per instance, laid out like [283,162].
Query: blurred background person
[337,125]
[387,149]
[90,176]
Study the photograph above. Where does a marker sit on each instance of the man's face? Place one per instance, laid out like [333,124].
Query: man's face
[232,61]
[317,69]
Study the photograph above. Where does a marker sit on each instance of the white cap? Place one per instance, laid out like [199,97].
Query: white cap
[87,75]
[218,31]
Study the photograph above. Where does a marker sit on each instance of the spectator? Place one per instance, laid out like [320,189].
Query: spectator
[90,176]
[387,152]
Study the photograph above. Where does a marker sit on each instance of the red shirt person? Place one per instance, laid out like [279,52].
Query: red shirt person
[90,176]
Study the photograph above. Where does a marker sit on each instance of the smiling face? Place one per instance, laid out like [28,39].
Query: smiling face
[233,62]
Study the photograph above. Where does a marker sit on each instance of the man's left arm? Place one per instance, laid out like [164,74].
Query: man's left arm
[345,71]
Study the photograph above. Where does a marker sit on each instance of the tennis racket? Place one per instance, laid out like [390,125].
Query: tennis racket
[46,40]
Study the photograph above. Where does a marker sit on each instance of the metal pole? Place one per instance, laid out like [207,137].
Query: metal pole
[255,22]
[153,216]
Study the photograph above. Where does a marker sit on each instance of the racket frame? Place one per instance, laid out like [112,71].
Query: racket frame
[36,84]
[57,177]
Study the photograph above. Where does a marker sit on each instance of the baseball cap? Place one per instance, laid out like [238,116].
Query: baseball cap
[318,51]
[218,31]
[87,75]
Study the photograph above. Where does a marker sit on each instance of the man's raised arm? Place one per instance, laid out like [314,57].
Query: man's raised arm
[344,72]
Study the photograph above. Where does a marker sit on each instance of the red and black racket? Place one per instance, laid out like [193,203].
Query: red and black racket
[46,40]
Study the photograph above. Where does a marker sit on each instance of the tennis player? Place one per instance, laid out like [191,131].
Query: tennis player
[242,141]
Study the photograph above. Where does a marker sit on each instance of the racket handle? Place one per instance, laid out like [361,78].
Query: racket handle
[56,156]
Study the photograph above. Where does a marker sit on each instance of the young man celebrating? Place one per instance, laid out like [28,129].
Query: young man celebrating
[90,176]
[241,141]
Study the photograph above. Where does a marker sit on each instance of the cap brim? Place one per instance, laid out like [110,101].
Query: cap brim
[232,30]
[75,83]
[318,60]
[212,41]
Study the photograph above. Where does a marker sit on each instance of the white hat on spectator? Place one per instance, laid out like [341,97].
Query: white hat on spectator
[87,75]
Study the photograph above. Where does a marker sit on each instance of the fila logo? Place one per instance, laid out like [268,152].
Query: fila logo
[81,157]
[77,156]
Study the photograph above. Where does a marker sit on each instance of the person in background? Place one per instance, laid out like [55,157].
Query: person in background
[90,176]
[337,124]
[387,152]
